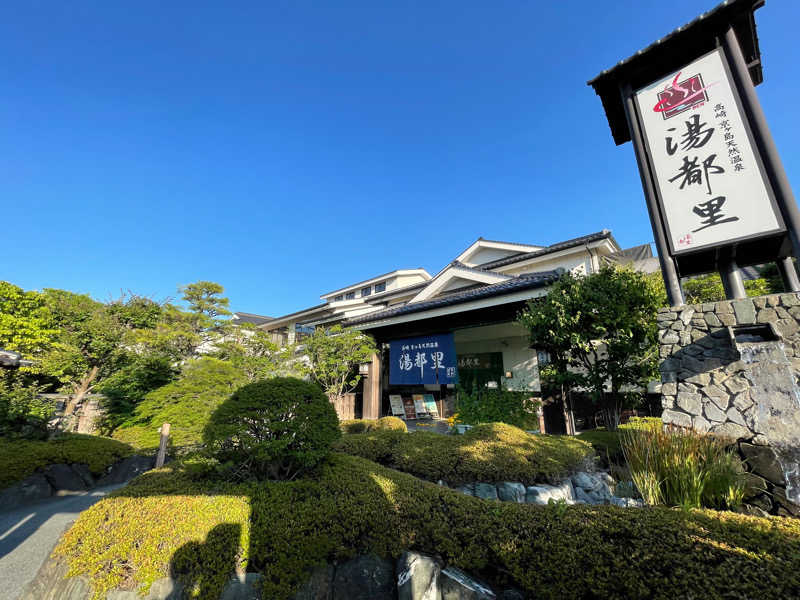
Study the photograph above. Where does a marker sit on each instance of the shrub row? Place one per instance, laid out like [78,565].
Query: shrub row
[20,458]
[491,452]
[365,425]
[166,522]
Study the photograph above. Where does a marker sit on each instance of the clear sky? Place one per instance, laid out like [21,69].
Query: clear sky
[286,149]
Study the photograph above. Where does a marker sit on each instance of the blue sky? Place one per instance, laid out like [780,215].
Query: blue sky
[286,149]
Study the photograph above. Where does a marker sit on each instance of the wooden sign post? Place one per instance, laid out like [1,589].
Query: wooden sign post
[162,446]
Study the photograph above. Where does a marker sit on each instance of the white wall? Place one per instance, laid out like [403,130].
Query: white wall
[512,340]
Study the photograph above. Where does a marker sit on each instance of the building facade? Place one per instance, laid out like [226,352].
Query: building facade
[458,326]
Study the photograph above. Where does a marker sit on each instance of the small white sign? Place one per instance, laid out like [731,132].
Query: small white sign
[396,402]
[711,186]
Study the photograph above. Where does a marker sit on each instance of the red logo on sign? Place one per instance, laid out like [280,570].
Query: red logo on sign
[679,97]
[685,240]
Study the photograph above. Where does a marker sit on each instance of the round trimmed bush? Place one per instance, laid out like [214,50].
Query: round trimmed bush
[390,423]
[275,428]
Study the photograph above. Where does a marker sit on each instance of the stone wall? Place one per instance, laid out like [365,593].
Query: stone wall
[743,391]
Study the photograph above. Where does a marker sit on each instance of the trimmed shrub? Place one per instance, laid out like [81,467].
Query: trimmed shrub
[21,458]
[489,452]
[365,425]
[390,424]
[164,521]
[683,468]
[276,428]
[186,404]
[354,425]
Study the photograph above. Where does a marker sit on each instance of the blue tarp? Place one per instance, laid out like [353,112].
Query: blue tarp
[429,359]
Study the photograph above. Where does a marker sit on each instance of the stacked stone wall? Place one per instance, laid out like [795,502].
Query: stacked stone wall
[705,384]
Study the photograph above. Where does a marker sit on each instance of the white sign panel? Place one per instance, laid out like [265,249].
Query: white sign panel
[711,185]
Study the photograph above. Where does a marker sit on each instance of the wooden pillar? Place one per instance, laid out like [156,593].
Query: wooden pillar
[372,389]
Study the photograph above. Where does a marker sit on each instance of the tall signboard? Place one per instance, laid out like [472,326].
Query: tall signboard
[711,185]
[716,192]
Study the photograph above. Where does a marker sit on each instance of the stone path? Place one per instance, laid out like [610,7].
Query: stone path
[28,535]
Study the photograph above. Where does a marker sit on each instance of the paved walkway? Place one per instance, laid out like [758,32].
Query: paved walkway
[29,534]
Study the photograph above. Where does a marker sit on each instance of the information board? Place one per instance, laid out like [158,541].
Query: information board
[409,408]
[419,404]
[396,401]
[430,406]
[711,185]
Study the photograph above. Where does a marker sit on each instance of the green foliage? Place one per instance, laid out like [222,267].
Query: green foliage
[128,386]
[708,288]
[25,322]
[186,404]
[21,458]
[365,425]
[600,330]
[165,520]
[334,355]
[22,412]
[275,428]
[485,405]
[355,425]
[390,424]
[252,350]
[683,468]
[488,452]
[606,444]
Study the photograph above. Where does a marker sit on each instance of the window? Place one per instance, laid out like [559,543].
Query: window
[380,287]
[338,298]
[366,291]
[351,295]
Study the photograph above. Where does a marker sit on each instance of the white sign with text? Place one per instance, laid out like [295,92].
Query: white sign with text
[711,186]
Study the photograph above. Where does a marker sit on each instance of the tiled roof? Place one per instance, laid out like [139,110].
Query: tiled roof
[516,284]
[578,241]
[251,318]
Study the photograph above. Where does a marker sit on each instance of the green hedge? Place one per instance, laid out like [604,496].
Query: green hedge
[365,425]
[353,506]
[20,458]
[489,452]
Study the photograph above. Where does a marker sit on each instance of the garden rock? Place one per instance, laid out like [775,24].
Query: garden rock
[417,577]
[82,471]
[511,492]
[63,478]
[50,584]
[32,489]
[127,469]
[165,588]
[627,502]
[319,586]
[365,578]
[542,494]
[243,587]
[457,585]
[468,489]
[486,491]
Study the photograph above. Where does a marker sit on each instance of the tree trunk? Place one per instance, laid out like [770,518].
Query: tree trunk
[80,391]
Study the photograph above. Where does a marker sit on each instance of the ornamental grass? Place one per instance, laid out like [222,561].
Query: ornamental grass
[684,468]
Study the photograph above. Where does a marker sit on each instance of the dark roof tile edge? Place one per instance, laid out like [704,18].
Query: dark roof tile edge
[530,281]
